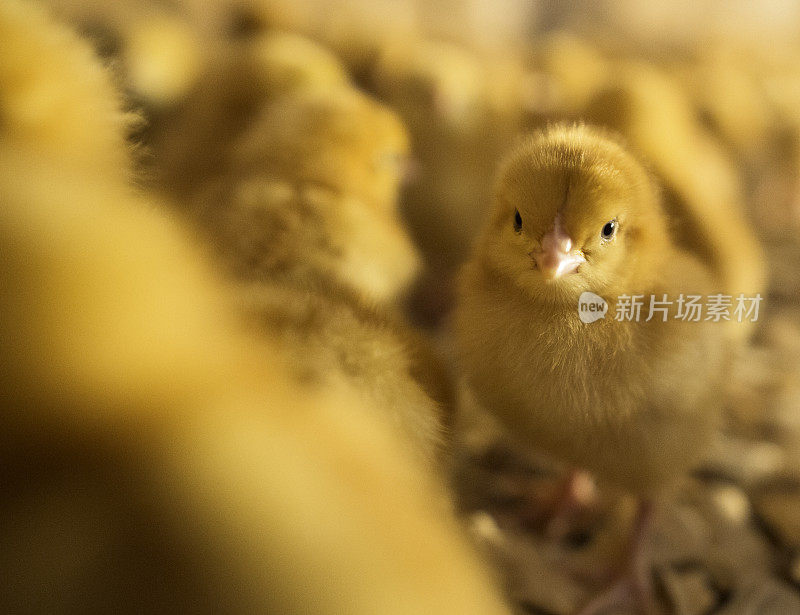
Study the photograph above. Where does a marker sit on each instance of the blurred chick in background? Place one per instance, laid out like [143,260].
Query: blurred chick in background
[241,77]
[357,30]
[748,98]
[155,457]
[462,108]
[337,138]
[307,219]
[329,334]
[312,189]
[635,402]
[154,49]
[56,94]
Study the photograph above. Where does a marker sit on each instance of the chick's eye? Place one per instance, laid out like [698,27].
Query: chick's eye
[609,229]
[517,221]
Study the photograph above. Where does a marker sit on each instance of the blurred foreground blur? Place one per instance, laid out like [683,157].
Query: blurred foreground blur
[230,231]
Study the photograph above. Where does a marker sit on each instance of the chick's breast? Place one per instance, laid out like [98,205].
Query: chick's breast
[634,401]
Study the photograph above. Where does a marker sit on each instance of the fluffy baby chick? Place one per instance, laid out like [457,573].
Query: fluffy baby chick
[54,93]
[288,62]
[311,190]
[328,334]
[635,402]
[271,230]
[461,108]
[155,458]
[323,269]
[240,78]
[340,139]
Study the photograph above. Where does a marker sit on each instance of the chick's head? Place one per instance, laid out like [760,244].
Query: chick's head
[340,139]
[574,212]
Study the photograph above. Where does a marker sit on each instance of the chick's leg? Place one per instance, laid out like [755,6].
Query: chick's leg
[633,585]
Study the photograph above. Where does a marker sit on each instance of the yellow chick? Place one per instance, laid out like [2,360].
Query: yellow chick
[288,62]
[268,230]
[240,78]
[307,218]
[329,335]
[722,83]
[162,59]
[633,400]
[54,92]
[461,108]
[312,189]
[155,458]
[338,138]
[572,70]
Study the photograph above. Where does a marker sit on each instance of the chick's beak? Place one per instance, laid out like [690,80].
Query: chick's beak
[557,256]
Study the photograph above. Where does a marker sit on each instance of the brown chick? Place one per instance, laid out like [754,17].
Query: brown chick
[635,402]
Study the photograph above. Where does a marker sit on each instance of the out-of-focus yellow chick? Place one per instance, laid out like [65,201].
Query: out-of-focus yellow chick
[329,334]
[271,230]
[358,30]
[341,139]
[312,191]
[777,191]
[721,83]
[634,401]
[288,62]
[421,77]
[748,96]
[703,193]
[307,215]
[462,109]
[162,58]
[575,212]
[155,51]
[155,458]
[240,79]
[226,18]
[572,70]
[54,92]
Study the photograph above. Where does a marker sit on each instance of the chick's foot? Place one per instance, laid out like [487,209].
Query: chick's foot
[633,585]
